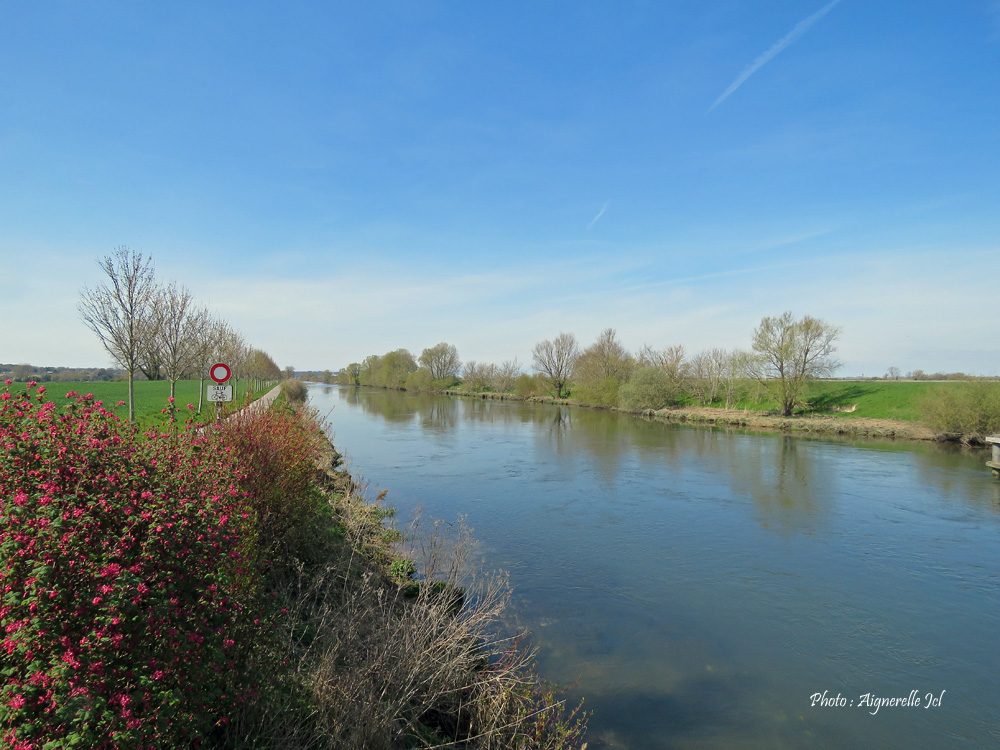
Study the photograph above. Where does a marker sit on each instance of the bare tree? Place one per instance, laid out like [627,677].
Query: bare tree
[892,373]
[232,350]
[476,375]
[262,369]
[176,333]
[736,372]
[442,361]
[505,375]
[207,333]
[671,359]
[556,359]
[707,372]
[117,310]
[22,371]
[790,353]
[150,340]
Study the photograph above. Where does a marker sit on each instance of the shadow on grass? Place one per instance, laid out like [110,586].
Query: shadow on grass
[845,396]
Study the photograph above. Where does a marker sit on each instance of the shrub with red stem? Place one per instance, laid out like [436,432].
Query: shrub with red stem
[276,450]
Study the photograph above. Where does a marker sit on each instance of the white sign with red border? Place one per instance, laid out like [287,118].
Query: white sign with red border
[220,372]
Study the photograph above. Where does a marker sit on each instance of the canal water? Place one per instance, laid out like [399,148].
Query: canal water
[701,587]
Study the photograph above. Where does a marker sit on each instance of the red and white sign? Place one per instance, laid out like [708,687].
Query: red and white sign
[220,373]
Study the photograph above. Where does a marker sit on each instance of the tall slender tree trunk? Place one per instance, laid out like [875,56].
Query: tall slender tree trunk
[131,396]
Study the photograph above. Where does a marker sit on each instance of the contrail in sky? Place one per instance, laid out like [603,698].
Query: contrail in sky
[760,62]
[604,208]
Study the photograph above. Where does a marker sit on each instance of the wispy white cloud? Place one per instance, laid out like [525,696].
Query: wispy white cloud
[801,28]
[599,215]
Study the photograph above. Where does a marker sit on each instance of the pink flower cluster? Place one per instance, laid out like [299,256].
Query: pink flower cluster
[126,579]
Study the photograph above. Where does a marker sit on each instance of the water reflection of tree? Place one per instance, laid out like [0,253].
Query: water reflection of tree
[437,414]
[492,412]
[390,405]
[958,474]
[791,482]
[600,437]
[553,426]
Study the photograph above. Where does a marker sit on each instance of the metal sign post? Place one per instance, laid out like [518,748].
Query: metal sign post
[218,393]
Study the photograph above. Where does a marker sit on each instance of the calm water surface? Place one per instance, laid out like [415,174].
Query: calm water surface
[699,586]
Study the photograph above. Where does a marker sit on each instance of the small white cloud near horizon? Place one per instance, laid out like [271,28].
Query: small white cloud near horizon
[599,215]
[761,61]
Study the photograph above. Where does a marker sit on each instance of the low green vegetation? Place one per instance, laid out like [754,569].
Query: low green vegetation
[151,397]
[970,410]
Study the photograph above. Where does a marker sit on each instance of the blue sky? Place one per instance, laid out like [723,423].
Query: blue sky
[341,179]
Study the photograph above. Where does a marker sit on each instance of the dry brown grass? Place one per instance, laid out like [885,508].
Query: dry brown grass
[380,665]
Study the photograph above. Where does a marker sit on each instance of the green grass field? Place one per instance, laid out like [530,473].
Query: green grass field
[150,397]
[874,399]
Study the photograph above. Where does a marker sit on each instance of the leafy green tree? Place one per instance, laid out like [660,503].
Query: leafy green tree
[369,371]
[394,368]
[790,353]
[419,380]
[602,368]
[353,372]
[650,387]
[441,360]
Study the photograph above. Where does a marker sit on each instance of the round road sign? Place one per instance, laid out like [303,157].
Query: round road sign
[220,373]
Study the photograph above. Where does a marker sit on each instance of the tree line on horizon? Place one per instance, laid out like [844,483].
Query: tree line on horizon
[159,330]
[785,355]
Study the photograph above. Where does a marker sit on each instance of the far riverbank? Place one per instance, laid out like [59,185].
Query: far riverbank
[752,420]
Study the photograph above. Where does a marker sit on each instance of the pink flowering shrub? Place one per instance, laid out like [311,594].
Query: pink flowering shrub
[276,450]
[127,607]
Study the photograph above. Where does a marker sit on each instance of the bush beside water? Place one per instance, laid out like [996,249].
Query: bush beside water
[969,410]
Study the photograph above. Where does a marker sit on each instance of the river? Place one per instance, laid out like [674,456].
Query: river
[699,586]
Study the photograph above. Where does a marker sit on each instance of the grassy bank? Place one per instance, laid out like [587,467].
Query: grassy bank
[817,423]
[232,589]
[864,399]
[864,408]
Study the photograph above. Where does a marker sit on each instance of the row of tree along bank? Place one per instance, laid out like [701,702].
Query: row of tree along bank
[781,372]
[159,330]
